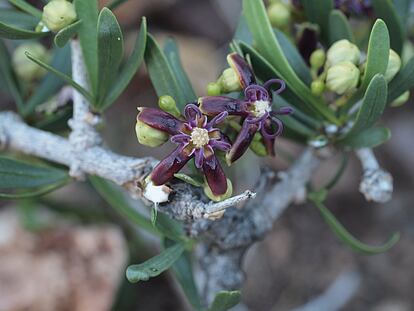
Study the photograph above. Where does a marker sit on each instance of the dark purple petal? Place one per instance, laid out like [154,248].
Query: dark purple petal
[217,119]
[242,68]
[214,105]
[268,140]
[308,42]
[199,157]
[180,139]
[215,176]
[165,170]
[269,83]
[192,113]
[242,142]
[160,120]
[283,111]
[256,92]
[220,144]
[267,130]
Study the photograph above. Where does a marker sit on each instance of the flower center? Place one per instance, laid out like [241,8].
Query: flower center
[199,137]
[261,107]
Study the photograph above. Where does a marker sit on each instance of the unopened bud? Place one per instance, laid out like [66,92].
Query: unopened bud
[222,197]
[58,14]
[342,51]
[149,136]
[167,103]
[401,100]
[342,77]
[24,67]
[258,148]
[229,81]
[213,89]
[317,87]
[279,15]
[394,65]
[317,58]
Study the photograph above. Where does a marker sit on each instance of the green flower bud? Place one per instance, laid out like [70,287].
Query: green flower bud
[317,58]
[58,14]
[24,67]
[149,136]
[401,100]
[394,65]
[167,103]
[229,81]
[317,87]
[258,148]
[343,51]
[342,77]
[222,197]
[213,89]
[279,15]
[407,52]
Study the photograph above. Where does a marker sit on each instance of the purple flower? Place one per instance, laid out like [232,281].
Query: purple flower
[196,137]
[255,109]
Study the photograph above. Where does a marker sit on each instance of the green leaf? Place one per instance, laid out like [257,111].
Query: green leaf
[154,215]
[8,76]
[110,52]
[269,47]
[318,12]
[162,75]
[369,138]
[17,174]
[14,33]
[372,107]
[34,193]
[169,228]
[402,82]
[402,8]
[155,265]
[385,9]
[114,4]
[173,57]
[349,239]
[18,19]
[130,68]
[339,27]
[65,34]
[87,11]
[225,300]
[61,75]
[26,7]
[50,85]
[116,198]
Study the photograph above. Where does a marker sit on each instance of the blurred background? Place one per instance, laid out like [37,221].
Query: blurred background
[69,250]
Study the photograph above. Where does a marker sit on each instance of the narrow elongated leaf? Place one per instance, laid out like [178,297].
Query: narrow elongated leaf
[17,174]
[402,8]
[18,19]
[385,9]
[349,239]
[317,12]
[130,68]
[116,198]
[155,265]
[87,11]
[173,56]
[34,193]
[225,300]
[269,47]
[50,85]
[369,138]
[402,82]
[110,52]
[339,27]
[15,33]
[64,35]
[243,32]
[26,7]
[61,75]
[162,75]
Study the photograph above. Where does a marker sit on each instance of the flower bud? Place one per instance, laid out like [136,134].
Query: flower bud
[167,103]
[229,81]
[149,136]
[213,89]
[24,67]
[58,14]
[401,100]
[342,51]
[317,87]
[394,65]
[317,58]
[279,15]
[258,148]
[211,196]
[342,77]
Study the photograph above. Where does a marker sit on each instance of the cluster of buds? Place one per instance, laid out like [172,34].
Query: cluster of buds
[58,14]
[198,133]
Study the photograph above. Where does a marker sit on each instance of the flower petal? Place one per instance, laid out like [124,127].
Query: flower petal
[199,157]
[242,142]
[215,176]
[165,170]
[160,120]
[214,105]
[242,68]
